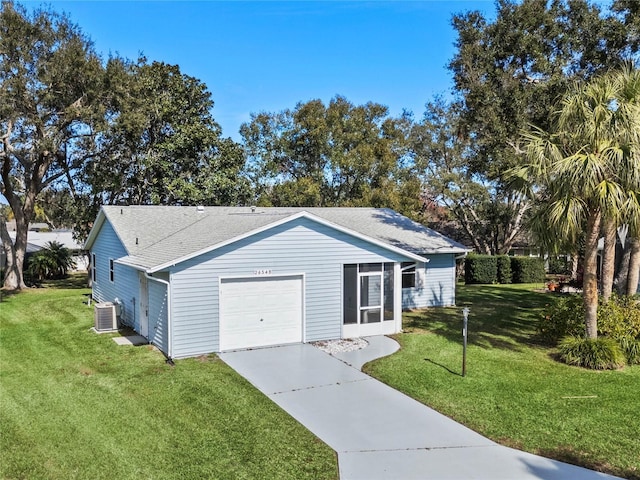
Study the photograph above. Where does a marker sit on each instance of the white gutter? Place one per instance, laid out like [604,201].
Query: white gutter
[169,329]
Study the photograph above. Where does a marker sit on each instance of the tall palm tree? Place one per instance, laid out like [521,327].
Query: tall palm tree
[634,267]
[610,232]
[588,167]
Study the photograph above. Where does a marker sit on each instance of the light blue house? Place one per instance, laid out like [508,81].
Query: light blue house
[196,280]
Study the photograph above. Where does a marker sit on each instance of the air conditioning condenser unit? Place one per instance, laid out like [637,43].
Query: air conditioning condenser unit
[105,318]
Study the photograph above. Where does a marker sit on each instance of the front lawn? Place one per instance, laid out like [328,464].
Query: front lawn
[73,404]
[515,392]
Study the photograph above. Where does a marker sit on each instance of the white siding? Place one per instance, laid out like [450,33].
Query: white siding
[158,309]
[125,285]
[301,246]
[435,284]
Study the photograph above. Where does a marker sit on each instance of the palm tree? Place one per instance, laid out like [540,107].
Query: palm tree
[588,168]
[634,267]
[53,261]
[610,232]
[40,266]
[61,257]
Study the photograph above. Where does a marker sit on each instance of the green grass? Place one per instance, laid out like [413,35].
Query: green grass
[73,404]
[515,391]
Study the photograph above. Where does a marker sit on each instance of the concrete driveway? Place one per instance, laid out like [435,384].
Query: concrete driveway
[378,432]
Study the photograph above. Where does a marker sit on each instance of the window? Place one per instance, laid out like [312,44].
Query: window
[351,306]
[408,274]
[94,268]
[111,270]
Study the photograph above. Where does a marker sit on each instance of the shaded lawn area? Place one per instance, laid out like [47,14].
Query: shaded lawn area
[73,404]
[515,392]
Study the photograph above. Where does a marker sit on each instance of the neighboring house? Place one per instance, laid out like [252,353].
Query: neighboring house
[196,280]
[33,227]
[37,239]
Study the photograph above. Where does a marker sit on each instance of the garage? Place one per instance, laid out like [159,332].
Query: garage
[260,311]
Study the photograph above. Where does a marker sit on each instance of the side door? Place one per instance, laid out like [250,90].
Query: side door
[143,304]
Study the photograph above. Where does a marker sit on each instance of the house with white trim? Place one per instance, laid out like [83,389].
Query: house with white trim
[197,280]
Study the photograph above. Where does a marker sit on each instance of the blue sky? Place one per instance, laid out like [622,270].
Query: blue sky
[268,56]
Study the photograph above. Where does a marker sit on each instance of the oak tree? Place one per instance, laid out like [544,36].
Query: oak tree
[50,95]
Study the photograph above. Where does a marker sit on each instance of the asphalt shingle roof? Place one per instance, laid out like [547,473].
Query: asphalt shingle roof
[159,235]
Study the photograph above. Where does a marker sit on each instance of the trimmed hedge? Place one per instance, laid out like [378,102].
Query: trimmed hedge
[504,269]
[482,269]
[527,269]
[489,269]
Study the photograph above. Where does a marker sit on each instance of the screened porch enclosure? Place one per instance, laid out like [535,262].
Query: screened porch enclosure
[369,293]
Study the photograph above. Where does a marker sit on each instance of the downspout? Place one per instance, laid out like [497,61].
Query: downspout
[169,329]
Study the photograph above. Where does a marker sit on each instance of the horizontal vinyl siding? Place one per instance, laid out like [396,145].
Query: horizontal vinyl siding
[301,246]
[158,309]
[125,285]
[435,284]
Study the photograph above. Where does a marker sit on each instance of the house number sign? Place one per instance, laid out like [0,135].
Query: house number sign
[262,271]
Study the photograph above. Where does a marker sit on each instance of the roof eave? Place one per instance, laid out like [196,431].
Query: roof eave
[453,250]
[93,233]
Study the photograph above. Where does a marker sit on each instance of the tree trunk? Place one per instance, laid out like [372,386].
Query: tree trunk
[575,260]
[608,258]
[19,252]
[23,208]
[634,266]
[23,213]
[11,277]
[590,282]
[622,276]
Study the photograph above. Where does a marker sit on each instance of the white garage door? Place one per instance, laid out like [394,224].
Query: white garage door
[257,312]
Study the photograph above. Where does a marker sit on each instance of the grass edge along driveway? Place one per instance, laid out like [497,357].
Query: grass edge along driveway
[515,391]
[73,404]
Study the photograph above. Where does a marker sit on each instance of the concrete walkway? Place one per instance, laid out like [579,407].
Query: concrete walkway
[378,432]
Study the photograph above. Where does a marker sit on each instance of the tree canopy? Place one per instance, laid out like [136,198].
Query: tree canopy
[84,132]
[509,74]
[489,212]
[338,154]
[50,94]
[159,143]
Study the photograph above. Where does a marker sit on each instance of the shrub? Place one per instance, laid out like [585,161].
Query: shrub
[597,354]
[562,318]
[504,269]
[481,269]
[631,349]
[559,266]
[619,318]
[527,269]
[618,321]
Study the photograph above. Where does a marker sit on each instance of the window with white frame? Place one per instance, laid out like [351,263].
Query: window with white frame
[94,268]
[111,270]
[408,274]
